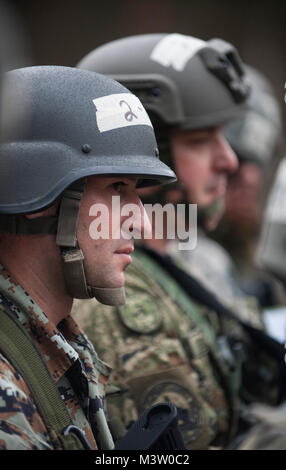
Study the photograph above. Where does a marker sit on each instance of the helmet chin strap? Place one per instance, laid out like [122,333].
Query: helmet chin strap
[73,258]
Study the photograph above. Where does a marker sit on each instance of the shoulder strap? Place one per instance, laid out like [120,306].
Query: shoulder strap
[230,378]
[201,294]
[19,349]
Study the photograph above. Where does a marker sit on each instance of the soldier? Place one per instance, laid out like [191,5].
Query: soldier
[66,145]
[270,253]
[256,138]
[224,256]
[270,430]
[188,122]
[167,343]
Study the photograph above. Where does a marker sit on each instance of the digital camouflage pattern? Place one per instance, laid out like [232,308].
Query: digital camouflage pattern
[163,347]
[80,377]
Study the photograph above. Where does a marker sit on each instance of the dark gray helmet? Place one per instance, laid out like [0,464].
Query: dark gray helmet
[256,135]
[61,125]
[271,253]
[181,80]
[64,124]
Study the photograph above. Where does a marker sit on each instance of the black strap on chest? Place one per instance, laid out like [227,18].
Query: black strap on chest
[199,293]
[20,351]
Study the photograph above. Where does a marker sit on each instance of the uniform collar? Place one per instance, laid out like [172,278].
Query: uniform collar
[60,346]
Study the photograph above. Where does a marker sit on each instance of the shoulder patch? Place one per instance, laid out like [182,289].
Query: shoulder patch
[142,315]
[190,412]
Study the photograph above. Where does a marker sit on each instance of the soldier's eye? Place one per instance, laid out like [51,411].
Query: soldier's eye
[118,185]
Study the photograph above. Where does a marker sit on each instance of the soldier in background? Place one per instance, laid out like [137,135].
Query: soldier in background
[256,139]
[224,256]
[270,431]
[168,342]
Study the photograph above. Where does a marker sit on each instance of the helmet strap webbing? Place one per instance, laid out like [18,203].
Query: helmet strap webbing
[66,239]
[73,258]
[74,273]
[64,225]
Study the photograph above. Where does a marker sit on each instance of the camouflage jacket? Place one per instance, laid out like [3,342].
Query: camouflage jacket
[74,366]
[164,347]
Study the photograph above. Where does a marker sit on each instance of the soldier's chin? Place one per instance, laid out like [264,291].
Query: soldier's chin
[206,200]
[121,279]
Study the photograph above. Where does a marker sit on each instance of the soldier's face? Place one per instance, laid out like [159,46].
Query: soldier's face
[243,202]
[203,160]
[106,259]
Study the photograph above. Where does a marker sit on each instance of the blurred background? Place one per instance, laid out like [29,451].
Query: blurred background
[60,32]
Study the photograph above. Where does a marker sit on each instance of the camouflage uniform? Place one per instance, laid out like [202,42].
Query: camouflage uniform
[74,366]
[164,347]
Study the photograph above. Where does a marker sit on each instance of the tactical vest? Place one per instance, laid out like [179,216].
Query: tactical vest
[260,340]
[227,368]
